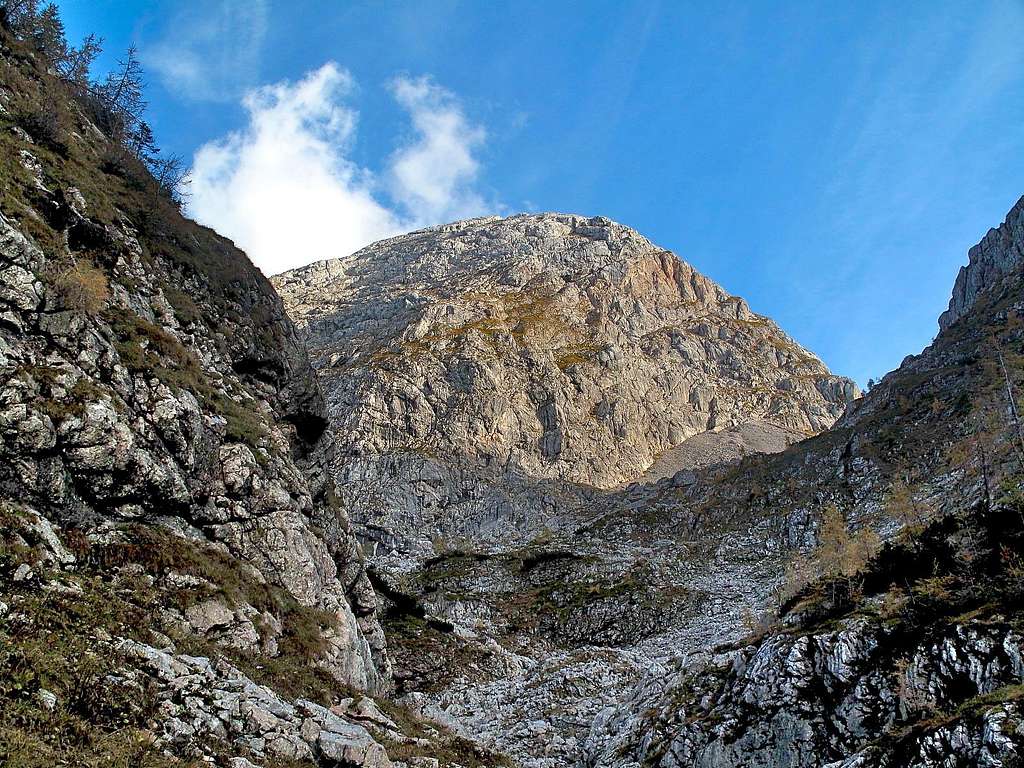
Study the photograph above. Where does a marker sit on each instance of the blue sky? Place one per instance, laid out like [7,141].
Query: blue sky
[830,162]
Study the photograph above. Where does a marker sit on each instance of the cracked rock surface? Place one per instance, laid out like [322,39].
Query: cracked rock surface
[98,424]
[595,636]
[460,360]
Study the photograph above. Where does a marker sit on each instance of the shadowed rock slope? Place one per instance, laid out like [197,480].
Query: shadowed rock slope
[908,654]
[503,391]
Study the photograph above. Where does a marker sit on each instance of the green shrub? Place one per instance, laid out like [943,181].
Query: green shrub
[81,394]
[185,309]
[244,424]
[146,348]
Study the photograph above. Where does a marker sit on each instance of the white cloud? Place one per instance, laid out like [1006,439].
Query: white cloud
[432,177]
[210,51]
[285,187]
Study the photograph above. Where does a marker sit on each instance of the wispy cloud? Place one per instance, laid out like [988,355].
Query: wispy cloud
[210,51]
[285,186]
[910,127]
[432,177]
[903,123]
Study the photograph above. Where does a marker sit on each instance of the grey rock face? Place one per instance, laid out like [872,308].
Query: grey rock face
[201,699]
[810,700]
[490,383]
[998,253]
[119,417]
[868,692]
[544,347]
[552,685]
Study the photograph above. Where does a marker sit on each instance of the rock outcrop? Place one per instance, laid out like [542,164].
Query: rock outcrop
[837,698]
[133,414]
[553,348]
[151,381]
[998,254]
[920,664]
[216,700]
[102,667]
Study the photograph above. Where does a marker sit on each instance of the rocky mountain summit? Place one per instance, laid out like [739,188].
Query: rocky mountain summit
[620,634]
[998,255]
[550,347]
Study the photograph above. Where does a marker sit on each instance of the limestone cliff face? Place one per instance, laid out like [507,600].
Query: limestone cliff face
[150,377]
[137,415]
[998,254]
[620,636]
[552,347]
[843,698]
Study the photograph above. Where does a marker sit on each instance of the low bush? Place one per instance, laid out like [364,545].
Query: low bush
[80,286]
[185,307]
[46,125]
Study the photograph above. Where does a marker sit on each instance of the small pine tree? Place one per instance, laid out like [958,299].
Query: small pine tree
[47,35]
[841,555]
[900,504]
[798,574]
[116,104]
[833,541]
[19,16]
[861,548]
[77,63]
[121,94]
[172,176]
[142,142]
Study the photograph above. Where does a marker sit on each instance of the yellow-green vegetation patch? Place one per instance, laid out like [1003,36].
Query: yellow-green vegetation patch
[147,348]
[185,308]
[79,285]
[63,700]
[783,344]
[532,314]
[161,553]
[580,354]
[757,321]
[988,701]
